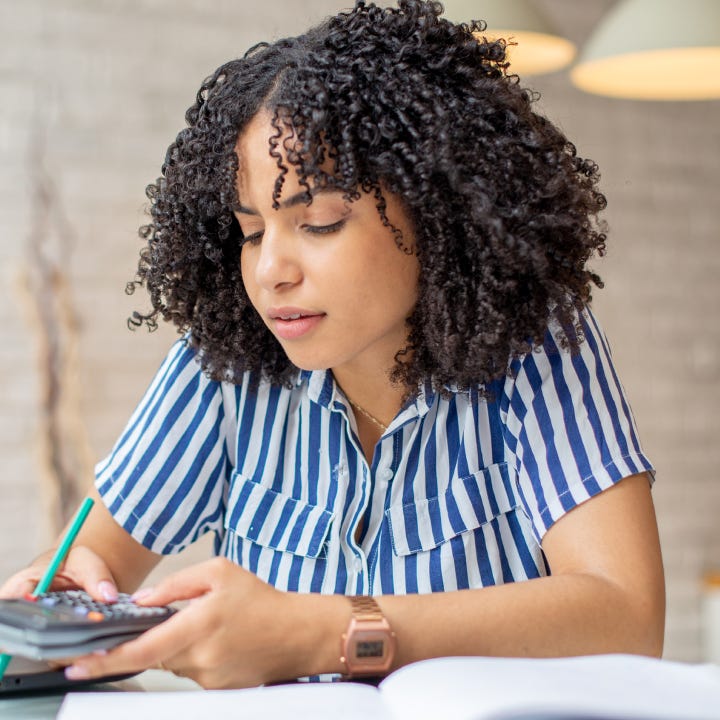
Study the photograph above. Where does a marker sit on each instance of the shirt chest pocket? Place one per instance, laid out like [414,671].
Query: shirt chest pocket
[276,520]
[468,503]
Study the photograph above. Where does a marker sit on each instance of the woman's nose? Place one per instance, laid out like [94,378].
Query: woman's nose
[277,264]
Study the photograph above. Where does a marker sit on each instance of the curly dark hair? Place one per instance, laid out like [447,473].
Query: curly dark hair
[402,101]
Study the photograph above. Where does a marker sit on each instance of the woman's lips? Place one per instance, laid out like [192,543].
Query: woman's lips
[290,326]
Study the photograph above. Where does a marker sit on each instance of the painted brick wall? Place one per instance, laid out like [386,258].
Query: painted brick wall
[91,93]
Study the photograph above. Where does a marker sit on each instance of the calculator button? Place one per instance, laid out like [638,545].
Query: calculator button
[95,616]
[80,610]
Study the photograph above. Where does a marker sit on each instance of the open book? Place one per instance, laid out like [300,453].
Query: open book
[465,688]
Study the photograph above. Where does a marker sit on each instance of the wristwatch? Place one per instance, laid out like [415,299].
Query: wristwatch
[368,644]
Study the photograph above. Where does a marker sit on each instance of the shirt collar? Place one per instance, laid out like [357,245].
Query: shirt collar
[323,390]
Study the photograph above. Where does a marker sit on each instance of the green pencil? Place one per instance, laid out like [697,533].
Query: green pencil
[57,560]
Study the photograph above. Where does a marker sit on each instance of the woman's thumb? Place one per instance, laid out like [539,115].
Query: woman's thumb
[91,573]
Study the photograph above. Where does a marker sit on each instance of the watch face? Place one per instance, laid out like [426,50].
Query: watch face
[369,649]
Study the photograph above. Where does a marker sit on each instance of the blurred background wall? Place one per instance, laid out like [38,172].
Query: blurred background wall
[91,94]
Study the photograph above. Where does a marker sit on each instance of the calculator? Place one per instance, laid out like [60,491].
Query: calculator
[69,623]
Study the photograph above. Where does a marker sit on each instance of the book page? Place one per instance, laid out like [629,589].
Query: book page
[302,701]
[606,687]
[603,686]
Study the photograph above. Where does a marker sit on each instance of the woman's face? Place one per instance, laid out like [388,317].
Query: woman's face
[326,278]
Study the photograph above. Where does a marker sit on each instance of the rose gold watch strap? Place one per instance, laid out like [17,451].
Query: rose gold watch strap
[364,607]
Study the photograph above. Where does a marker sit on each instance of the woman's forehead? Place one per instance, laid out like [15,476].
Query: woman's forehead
[268,151]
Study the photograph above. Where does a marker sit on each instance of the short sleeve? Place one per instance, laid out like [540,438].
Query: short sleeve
[165,479]
[568,425]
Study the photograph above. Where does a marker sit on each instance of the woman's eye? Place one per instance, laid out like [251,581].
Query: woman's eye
[324,229]
[253,238]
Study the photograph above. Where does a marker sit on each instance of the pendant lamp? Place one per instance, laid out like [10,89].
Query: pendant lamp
[539,49]
[654,50]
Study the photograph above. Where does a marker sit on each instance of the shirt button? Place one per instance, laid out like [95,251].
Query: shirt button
[386,474]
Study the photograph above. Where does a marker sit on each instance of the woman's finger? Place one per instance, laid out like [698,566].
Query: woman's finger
[91,573]
[82,568]
[18,585]
[187,584]
[150,650]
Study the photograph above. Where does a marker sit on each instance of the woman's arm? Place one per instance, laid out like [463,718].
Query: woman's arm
[606,594]
[103,559]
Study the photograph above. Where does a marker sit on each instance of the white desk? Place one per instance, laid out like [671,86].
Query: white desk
[46,705]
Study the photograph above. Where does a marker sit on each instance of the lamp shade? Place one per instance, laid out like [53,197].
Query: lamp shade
[538,49]
[654,50]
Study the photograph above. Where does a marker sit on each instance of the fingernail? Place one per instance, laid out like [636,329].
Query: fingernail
[76,672]
[142,594]
[107,591]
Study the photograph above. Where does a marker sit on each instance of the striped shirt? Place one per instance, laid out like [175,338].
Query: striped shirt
[459,493]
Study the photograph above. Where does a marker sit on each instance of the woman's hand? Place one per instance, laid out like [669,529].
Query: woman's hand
[82,569]
[103,558]
[236,631]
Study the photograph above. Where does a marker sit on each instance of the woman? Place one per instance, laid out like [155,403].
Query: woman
[390,383]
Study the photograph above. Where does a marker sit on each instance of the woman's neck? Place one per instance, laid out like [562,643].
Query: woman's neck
[374,398]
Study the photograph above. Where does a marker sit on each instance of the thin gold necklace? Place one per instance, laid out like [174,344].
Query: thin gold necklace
[370,417]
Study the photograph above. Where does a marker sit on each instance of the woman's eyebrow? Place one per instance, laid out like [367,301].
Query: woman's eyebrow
[299,198]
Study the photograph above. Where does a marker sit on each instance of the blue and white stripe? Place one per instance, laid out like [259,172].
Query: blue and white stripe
[459,493]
